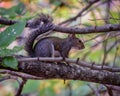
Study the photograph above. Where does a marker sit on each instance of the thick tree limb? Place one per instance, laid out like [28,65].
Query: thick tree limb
[78,62]
[72,71]
[41,70]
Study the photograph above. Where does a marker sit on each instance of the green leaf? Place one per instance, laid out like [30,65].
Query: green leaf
[13,11]
[57,3]
[10,62]
[8,52]
[19,9]
[1,26]
[29,89]
[7,12]
[9,35]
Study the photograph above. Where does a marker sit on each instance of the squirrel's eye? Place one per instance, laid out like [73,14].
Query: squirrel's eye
[79,41]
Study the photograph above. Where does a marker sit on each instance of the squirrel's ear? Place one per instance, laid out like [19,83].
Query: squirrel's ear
[71,35]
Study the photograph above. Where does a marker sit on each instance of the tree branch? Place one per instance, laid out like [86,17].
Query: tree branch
[80,13]
[88,30]
[21,87]
[95,91]
[7,22]
[115,88]
[73,30]
[78,62]
[21,75]
[8,77]
[42,70]
[71,71]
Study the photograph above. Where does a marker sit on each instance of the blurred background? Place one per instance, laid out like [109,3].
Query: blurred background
[99,48]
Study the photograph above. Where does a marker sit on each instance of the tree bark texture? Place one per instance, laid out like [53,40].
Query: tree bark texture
[69,72]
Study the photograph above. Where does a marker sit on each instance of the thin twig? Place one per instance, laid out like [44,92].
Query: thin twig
[116,88]
[69,87]
[105,50]
[104,19]
[116,53]
[22,75]
[114,35]
[80,13]
[107,15]
[94,90]
[109,89]
[8,77]
[94,7]
[21,87]
[94,38]
[113,45]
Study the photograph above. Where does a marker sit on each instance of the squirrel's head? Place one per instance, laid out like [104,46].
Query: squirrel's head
[76,42]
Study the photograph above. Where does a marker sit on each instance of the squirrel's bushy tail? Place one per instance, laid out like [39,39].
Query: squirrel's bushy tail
[42,25]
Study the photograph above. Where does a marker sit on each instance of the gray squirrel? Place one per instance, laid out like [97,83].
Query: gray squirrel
[49,46]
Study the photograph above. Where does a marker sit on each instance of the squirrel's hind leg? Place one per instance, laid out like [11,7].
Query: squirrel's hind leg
[54,52]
